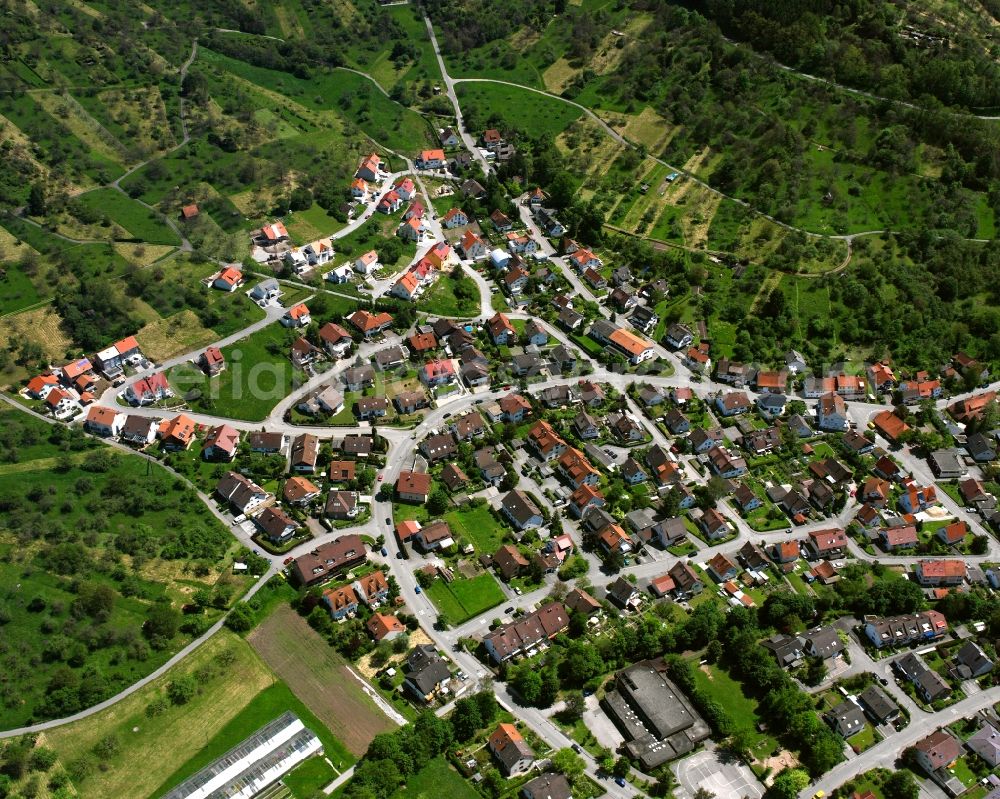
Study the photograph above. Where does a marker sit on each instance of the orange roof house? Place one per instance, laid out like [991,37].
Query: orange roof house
[889,425]
[177,432]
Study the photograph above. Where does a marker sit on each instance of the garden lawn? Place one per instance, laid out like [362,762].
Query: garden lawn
[254,381]
[434,780]
[142,223]
[478,526]
[463,598]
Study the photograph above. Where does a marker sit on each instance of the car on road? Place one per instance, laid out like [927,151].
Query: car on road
[509,610]
[620,781]
[256,552]
[883,680]
[388,520]
[380,477]
[819,794]
[417,590]
[400,555]
[287,560]
[446,416]
[577,749]
[383,552]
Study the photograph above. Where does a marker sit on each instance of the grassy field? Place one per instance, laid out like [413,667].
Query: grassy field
[389,123]
[143,763]
[463,598]
[320,678]
[478,526]
[257,376]
[535,113]
[142,223]
[125,535]
[441,299]
[266,706]
[718,685]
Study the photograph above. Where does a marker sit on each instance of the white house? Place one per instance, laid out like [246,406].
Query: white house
[367,263]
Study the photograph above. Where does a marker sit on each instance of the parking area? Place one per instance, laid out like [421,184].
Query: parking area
[717,774]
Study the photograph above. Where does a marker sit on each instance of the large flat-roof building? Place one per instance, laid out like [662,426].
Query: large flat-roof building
[250,766]
[657,720]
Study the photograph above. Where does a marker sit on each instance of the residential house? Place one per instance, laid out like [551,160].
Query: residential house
[228,279]
[831,413]
[971,661]
[937,751]
[889,425]
[473,246]
[679,336]
[771,406]
[546,443]
[929,684]
[501,330]
[940,572]
[368,408]
[138,430]
[242,493]
[490,469]
[434,536]
[877,704]
[722,568]
[439,447]
[547,786]
[426,672]
[384,627]
[336,340]
[522,635]
[305,452]
[367,263]
[296,316]
[509,562]
[329,560]
[624,594]
[953,534]
[823,642]
[327,401]
[176,433]
[277,525]
[685,579]
[894,631]
[521,511]
[901,537]
[985,742]
[583,499]
[413,486]
[431,159]
[510,749]
[212,361]
[339,471]
[714,525]
[677,422]
[847,719]
[827,543]
[785,551]
[732,403]
[299,491]
[340,602]
[221,443]
[148,390]
[104,421]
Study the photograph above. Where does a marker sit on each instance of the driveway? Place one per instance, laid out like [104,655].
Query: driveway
[707,770]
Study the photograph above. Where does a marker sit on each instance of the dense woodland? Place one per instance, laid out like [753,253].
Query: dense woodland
[869,44]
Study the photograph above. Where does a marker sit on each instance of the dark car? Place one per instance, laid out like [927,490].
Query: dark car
[509,610]
[388,521]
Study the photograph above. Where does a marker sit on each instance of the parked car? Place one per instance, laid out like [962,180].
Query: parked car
[417,589]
